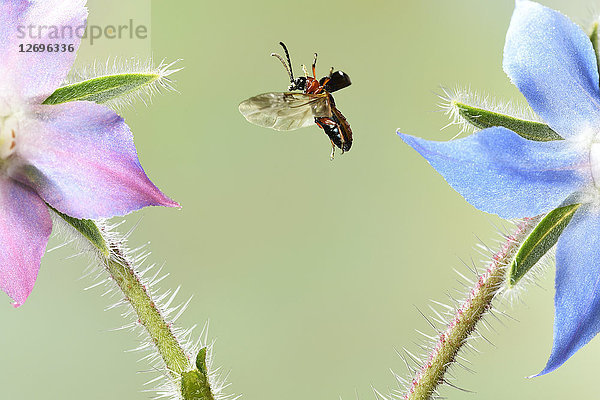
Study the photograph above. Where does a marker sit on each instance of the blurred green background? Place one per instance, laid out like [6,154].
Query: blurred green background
[309,270]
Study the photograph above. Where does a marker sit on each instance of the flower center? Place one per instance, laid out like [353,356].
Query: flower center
[9,130]
[8,136]
[595,162]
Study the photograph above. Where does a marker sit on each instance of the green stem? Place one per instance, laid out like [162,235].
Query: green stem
[470,312]
[149,316]
[190,376]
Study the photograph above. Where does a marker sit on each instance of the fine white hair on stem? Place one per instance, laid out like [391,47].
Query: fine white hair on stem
[534,276]
[450,99]
[118,66]
[464,318]
[166,385]
[591,17]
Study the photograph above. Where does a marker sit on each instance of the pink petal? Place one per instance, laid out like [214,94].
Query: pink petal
[25,227]
[11,12]
[47,22]
[80,158]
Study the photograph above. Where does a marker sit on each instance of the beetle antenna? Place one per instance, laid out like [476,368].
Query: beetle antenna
[284,66]
[305,71]
[287,54]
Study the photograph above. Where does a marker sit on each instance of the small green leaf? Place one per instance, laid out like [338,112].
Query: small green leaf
[88,229]
[482,119]
[542,238]
[104,88]
[201,361]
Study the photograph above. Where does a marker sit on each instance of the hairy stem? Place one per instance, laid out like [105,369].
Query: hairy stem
[149,316]
[193,384]
[467,315]
[187,376]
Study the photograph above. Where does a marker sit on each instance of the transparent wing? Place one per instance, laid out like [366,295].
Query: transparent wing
[285,111]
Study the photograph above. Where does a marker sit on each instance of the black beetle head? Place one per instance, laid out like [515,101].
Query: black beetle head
[298,84]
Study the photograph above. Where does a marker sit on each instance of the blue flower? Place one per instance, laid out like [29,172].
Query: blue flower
[552,62]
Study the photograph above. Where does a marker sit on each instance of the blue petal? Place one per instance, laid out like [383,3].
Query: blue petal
[577,301]
[499,172]
[552,62]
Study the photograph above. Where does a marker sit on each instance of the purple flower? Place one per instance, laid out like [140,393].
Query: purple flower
[78,157]
[552,62]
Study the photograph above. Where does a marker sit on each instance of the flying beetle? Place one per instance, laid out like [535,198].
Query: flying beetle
[314,104]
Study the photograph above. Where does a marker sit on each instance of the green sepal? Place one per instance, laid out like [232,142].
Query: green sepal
[195,384]
[595,44]
[102,89]
[540,240]
[482,118]
[88,229]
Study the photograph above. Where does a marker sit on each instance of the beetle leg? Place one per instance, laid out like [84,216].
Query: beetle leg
[333,150]
[321,88]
